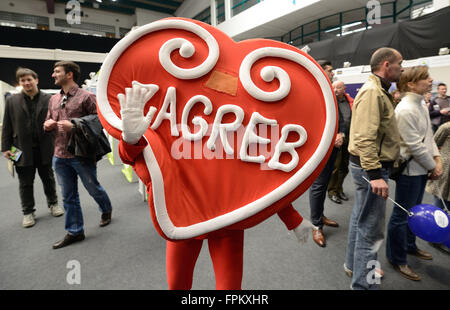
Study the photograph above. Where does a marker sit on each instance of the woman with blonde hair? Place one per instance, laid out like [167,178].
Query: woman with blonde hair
[418,148]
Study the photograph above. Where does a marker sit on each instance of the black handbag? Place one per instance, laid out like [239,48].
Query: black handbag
[397,171]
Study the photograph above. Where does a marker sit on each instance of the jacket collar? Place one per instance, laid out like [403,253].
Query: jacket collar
[413,97]
[72,91]
[385,84]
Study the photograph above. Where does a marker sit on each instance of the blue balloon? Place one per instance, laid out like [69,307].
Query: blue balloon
[430,223]
[447,243]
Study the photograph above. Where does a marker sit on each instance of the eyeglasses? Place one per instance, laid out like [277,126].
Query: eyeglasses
[63,103]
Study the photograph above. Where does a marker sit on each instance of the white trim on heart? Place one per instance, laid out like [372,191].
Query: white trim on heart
[186,51]
[244,212]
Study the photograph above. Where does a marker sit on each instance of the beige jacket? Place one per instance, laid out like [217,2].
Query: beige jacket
[374,136]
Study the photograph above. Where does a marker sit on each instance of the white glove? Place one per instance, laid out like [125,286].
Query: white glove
[303,230]
[134,124]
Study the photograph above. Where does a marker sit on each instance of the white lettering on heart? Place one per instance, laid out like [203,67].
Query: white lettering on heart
[169,100]
[251,137]
[283,146]
[187,134]
[222,129]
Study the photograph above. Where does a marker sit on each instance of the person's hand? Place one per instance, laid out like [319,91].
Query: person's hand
[339,140]
[303,230]
[134,123]
[7,154]
[49,125]
[380,188]
[65,125]
[437,172]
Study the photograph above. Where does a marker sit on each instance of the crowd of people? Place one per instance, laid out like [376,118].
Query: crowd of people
[376,130]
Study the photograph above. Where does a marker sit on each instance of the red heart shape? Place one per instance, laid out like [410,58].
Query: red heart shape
[192,196]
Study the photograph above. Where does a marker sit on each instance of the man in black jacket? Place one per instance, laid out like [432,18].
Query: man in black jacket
[24,116]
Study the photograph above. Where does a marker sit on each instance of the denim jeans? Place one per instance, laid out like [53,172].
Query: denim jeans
[400,239]
[67,171]
[318,190]
[366,230]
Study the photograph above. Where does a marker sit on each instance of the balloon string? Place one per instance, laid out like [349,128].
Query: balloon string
[398,205]
[440,196]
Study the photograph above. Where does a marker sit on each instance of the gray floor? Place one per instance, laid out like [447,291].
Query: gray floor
[128,254]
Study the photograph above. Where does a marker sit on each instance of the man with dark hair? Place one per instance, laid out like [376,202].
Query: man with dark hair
[73,102]
[318,190]
[440,107]
[22,128]
[374,146]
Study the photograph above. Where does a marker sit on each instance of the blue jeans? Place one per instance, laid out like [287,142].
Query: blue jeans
[366,231]
[400,239]
[67,171]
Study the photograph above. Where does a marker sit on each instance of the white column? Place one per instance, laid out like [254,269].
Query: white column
[213,13]
[440,4]
[227,9]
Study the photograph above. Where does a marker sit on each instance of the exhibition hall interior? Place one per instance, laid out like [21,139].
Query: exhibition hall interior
[124,168]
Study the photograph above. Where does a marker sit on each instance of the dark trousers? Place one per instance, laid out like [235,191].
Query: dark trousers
[26,183]
[318,190]
[340,171]
[400,239]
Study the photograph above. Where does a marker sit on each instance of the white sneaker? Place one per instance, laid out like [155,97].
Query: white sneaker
[56,210]
[28,220]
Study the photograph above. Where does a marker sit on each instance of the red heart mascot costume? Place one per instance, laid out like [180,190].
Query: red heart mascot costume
[223,134]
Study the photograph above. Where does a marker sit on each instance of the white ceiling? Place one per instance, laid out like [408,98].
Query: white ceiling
[313,12]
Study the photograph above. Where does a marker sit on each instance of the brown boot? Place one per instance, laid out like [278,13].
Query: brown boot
[326,221]
[422,254]
[407,272]
[318,237]
[106,219]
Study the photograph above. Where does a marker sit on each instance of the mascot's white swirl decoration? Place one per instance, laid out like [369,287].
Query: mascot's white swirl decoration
[268,73]
[186,51]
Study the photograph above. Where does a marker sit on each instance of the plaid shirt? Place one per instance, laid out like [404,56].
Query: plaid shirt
[76,103]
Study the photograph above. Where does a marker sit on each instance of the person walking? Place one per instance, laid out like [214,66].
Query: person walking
[24,116]
[73,102]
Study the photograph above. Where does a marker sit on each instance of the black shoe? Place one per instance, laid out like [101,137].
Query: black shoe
[106,219]
[68,240]
[335,199]
[343,196]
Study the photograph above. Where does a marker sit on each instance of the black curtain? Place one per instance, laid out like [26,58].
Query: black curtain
[15,36]
[44,69]
[420,37]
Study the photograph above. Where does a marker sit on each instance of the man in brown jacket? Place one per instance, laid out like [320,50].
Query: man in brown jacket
[374,146]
